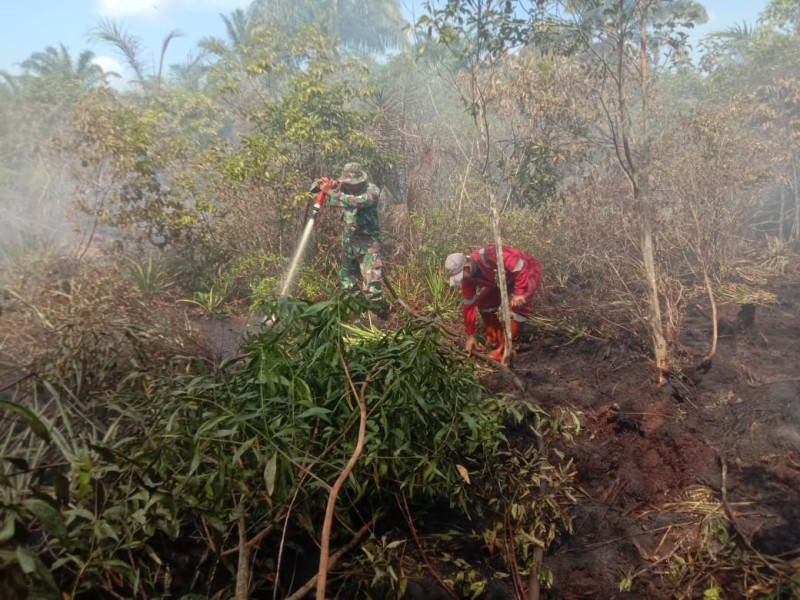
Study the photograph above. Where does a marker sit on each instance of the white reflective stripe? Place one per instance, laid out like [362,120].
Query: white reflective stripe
[486,310]
[470,300]
[518,266]
[482,257]
[517,317]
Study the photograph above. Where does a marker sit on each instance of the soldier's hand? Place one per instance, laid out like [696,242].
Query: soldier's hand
[517,301]
[326,185]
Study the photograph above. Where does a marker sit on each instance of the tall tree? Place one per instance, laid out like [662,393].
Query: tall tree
[782,14]
[131,49]
[479,33]
[34,111]
[623,37]
[241,27]
[623,40]
[758,63]
[57,64]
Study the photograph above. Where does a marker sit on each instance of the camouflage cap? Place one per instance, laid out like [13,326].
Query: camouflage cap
[353,174]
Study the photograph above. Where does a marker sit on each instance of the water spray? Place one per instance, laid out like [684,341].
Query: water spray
[269,321]
[287,282]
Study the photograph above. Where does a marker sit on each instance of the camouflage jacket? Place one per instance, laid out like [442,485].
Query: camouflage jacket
[359,213]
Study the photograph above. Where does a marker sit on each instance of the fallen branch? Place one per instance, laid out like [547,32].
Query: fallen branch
[774,382]
[322,574]
[706,364]
[516,576]
[595,546]
[243,569]
[209,537]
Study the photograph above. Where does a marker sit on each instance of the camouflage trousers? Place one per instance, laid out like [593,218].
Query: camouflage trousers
[361,262]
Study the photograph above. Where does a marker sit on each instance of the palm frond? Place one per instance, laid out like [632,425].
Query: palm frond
[164,45]
[128,45]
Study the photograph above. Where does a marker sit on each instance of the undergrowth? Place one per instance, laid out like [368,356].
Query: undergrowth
[130,468]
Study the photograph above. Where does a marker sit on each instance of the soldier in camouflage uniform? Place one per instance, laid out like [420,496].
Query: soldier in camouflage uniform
[358,199]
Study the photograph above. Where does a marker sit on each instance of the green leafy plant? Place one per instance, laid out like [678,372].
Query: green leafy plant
[442,297]
[114,473]
[260,273]
[211,302]
[468,582]
[263,289]
[381,557]
[713,591]
[149,275]
[531,489]
[626,583]
[418,393]
[311,282]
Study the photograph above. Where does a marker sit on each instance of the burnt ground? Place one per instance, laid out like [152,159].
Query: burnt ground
[650,459]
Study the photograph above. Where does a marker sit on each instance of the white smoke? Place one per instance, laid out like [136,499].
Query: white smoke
[109,64]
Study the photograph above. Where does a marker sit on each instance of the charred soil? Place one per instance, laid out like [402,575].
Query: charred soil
[686,487]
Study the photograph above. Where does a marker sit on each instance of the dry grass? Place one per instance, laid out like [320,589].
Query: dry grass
[54,319]
[702,554]
[737,293]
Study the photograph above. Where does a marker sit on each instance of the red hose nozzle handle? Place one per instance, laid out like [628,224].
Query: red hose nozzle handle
[320,196]
[317,204]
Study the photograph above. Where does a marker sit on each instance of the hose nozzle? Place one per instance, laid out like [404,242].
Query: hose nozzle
[315,189]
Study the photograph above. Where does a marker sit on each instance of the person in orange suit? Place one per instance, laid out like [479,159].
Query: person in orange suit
[477,274]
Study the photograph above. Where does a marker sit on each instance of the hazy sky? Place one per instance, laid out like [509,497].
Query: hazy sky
[28,26]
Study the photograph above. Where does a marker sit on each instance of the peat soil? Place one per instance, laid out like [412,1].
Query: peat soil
[653,502]
[649,459]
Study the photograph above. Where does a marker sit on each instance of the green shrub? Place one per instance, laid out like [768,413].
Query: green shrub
[116,485]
